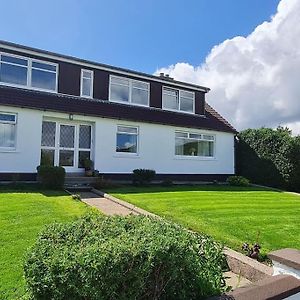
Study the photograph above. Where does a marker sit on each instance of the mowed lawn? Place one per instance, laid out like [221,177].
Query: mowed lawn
[22,216]
[232,215]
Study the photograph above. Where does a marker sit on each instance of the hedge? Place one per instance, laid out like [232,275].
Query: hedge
[134,257]
[270,157]
[51,177]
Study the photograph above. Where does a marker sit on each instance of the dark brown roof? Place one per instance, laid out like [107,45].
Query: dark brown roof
[102,108]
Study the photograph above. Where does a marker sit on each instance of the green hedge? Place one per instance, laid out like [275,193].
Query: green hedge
[134,257]
[51,177]
[269,157]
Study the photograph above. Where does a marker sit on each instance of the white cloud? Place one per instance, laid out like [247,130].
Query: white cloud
[254,80]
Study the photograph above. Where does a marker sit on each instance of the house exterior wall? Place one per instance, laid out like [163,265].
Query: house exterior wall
[156,146]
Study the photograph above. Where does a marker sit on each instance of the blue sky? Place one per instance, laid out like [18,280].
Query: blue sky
[139,35]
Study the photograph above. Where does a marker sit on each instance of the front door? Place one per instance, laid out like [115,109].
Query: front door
[66,146]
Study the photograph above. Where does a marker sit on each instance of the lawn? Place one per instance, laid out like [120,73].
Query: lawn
[230,214]
[22,216]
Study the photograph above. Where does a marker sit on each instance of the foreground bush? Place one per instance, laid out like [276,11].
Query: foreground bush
[143,176]
[132,257]
[51,177]
[238,181]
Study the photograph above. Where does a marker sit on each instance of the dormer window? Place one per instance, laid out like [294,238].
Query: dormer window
[129,91]
[87,78]
[178,100]
[27,72]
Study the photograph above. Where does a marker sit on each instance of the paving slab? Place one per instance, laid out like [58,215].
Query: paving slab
[106,206]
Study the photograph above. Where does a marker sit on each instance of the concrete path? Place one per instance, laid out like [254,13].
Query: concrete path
[106,206]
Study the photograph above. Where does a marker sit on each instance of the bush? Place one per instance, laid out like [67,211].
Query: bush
[238,181]
[134,257]
[102,183]
[51,177]
[143,176]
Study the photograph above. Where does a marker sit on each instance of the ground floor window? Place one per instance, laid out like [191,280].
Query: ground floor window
[192,144]
[127,139]
[8,130]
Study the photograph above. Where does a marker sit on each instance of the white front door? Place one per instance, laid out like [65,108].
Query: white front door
[66,144]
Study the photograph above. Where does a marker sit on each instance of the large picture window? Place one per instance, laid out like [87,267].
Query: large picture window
[27,72]
[178,100]
[192,144]
[8,130]
[127,139]
[125,90]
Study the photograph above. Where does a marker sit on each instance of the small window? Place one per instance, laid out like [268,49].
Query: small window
[87,78]
[127,139]
[8,130]
[178,100]
[130,91]
[192,144]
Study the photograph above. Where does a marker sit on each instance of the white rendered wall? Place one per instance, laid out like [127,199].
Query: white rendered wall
[156,147]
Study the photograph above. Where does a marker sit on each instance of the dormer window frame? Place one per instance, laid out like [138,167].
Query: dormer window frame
[30,68]
[180,96]
[91,79]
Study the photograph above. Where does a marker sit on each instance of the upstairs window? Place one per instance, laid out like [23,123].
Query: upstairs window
[127,139]
[178,100]
[8,130]
[125,90]
[87,78]
[27,72]
[194,144]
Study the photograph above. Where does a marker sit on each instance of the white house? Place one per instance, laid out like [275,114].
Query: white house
[66,109]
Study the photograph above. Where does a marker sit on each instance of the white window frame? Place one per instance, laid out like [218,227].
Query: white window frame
[29,73]
[179,91]
[131,81]
[137,141]
[92,83]
[188,133]
[3,149]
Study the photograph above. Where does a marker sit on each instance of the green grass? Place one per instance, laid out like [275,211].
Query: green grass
[22,216]
[231,215]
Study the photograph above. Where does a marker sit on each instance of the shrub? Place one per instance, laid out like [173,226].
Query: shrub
[102,183]
[238,181]
[143,176]
[51,177]
[134,257]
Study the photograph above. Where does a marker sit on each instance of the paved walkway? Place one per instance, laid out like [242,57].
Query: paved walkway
[106,206]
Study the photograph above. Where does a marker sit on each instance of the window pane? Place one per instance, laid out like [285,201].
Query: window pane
[186,147]
[83,155]
[86,87]
[7,135]
[208,137]
[47,157]
[186,94]
[43,80]
[87,74]
[13,74]
[7,118]
[170,92]
[195,136]
[44,66]
[48,134]
[206,148]
[170,102]
[119,93]
[140,85]
[139,96]
[126,129]
[181,134]
[14,60]
[66,158]
[85,136]
[186,104]
[126,143]
[119,81]
[67,136]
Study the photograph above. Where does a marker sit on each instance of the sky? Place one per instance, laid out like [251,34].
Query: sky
[246,51]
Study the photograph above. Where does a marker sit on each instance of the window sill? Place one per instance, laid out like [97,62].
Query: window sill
[126,155]
[29,87]
[6,150]
[201,158]
[128,103]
